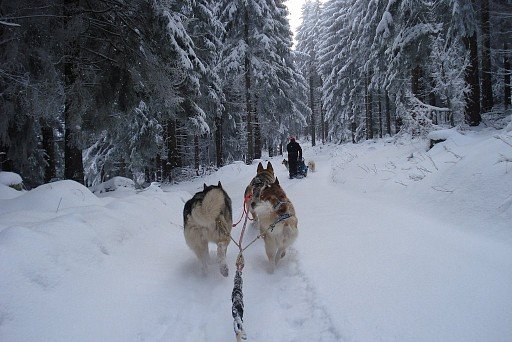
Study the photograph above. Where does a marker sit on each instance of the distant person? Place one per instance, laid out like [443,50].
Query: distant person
[294,155]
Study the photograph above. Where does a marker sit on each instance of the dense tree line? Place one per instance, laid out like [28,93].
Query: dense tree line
[405,65]
[144,89]
[152,90]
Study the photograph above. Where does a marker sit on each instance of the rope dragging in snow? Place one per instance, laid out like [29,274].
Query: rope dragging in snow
[237,296]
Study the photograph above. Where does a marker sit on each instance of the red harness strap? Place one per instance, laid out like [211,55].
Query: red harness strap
[246,200]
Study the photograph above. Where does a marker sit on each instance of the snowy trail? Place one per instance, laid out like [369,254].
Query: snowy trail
[409,269]
[282,306]
[381,256]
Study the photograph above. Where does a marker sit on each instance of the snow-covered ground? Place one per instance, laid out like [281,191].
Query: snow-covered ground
[396,243]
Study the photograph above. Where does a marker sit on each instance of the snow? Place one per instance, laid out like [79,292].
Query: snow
[10,178]
[116,183]
[396,243]
[443,134]
[51,197]
[6,23]
[509,127]
[384,24]
[7,192]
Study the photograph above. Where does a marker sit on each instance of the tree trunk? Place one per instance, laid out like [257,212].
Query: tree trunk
[196,153]
[257,137]
[388,113]
[173,156]
[487,98]
[380,115]
[416,74]
[73,163]
[369,113]
[322,123]
[312,105]
[250,146]
[49,151]
[5,162]
[218,141]
[353,131]
[506,78]
[166,164]
[181,142]
[326,130]
[159,174]
[433,102]
[472,78]
[416,82]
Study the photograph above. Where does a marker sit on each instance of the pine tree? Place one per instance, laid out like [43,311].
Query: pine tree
[206,32]
[155,86]
[32,95]
[257,45]
[337,70]
[282,106]
[308,39]
[487,97]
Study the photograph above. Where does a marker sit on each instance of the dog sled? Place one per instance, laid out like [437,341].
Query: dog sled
[302,169]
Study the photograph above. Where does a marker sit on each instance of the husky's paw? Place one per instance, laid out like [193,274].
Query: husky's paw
[279,255]
[224,270]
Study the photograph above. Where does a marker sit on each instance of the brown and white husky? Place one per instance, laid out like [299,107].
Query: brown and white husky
[277,220]
[208,218]
[263,177]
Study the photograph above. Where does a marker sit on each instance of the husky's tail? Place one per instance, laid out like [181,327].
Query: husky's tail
[212,205]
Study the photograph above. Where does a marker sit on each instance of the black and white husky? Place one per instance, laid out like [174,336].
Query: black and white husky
[208,218]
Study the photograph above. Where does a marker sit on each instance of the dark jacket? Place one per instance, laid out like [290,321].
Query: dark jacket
[294,150]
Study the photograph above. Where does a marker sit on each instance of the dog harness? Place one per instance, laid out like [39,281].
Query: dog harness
[279,219]
[280,203]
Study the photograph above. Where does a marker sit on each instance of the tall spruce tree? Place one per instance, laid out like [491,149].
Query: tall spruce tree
[308,41]
[282,108]
[257,45]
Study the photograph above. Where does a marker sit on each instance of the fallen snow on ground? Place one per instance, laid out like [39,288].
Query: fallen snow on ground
[396,243]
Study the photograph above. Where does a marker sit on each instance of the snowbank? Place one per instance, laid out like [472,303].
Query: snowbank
[51,197]
[6,192]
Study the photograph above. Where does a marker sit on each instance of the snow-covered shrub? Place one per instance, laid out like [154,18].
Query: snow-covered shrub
[415,116]
[12,180]
[113,185]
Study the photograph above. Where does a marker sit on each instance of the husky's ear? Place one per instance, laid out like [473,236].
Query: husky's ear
[276,182]
[219,185]
[204,186]
[260,168]
[269,167]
